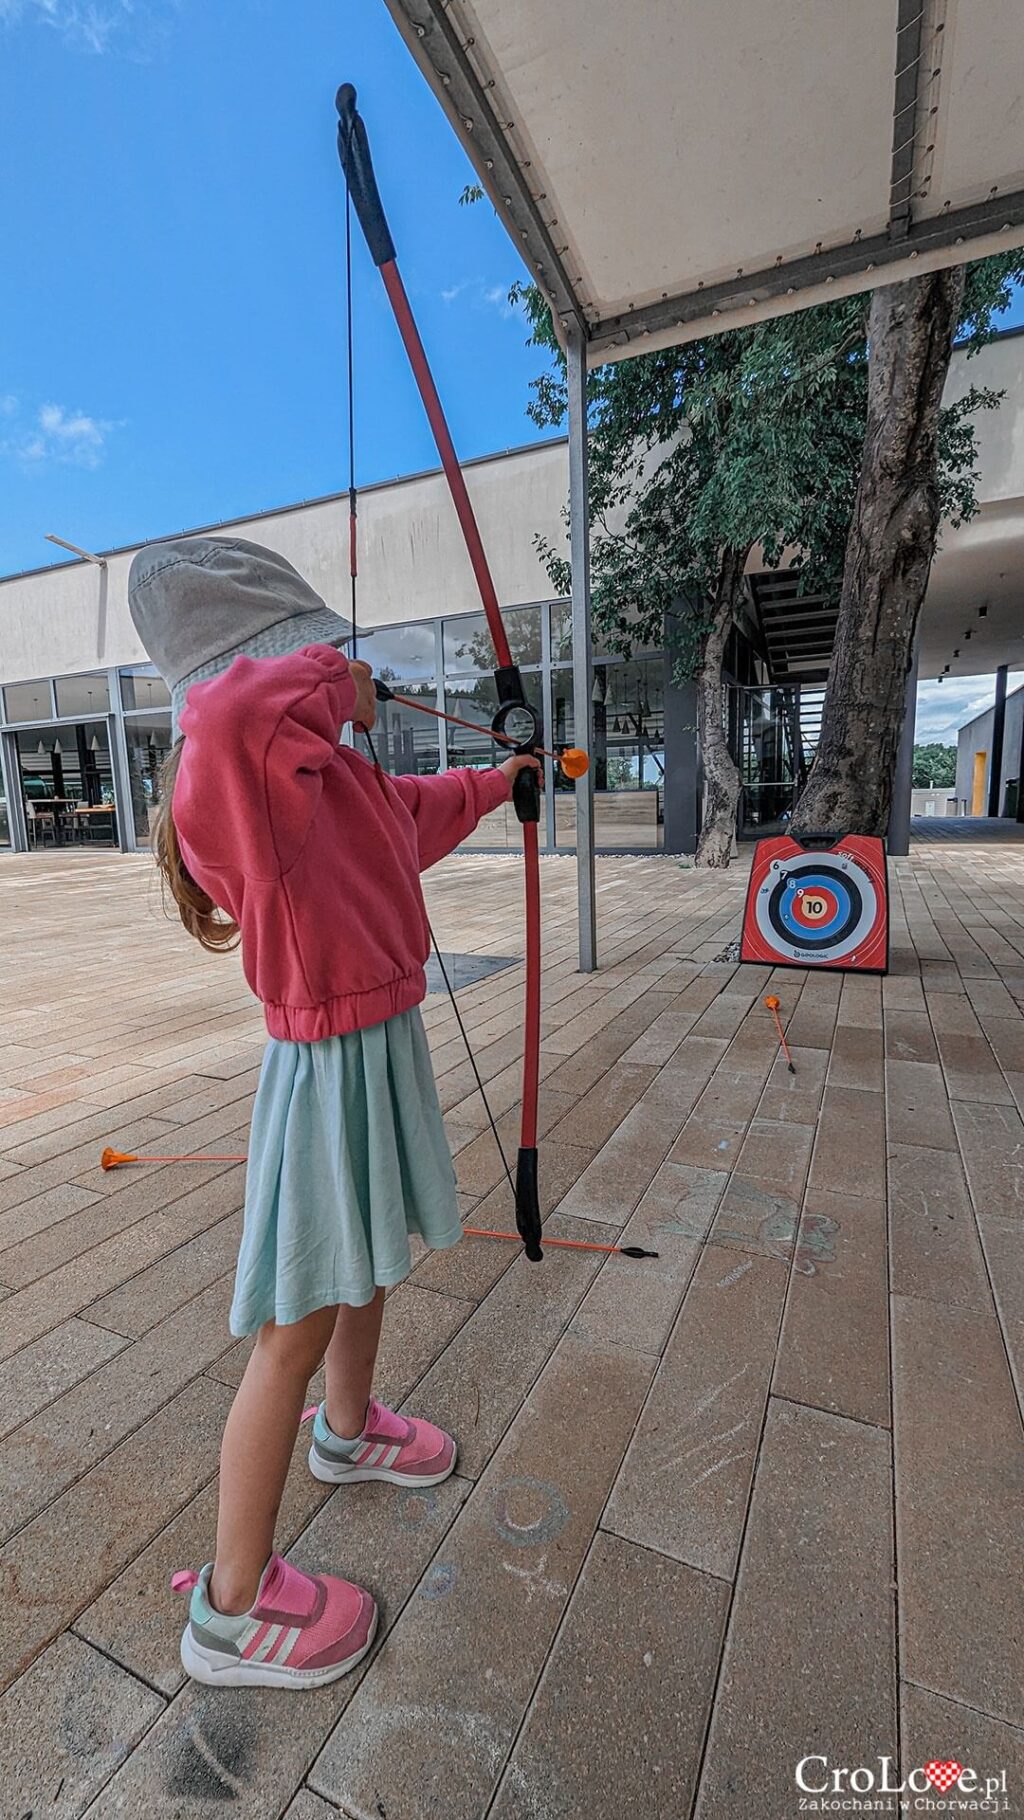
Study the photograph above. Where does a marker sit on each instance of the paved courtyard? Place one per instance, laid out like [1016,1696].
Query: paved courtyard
[756,1499]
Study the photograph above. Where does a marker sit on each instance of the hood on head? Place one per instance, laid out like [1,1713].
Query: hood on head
[197,603]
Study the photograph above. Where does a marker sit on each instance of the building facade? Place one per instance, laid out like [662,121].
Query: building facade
[85,723]
[975,752]
[85,718]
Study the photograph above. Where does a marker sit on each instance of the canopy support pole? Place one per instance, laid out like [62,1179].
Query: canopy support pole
[582,646]
[898,842]
[995,769]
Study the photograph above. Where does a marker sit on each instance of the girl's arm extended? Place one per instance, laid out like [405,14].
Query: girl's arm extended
[447,808]
[257,739]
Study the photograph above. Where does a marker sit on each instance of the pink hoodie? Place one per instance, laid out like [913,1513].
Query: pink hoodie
[293,836]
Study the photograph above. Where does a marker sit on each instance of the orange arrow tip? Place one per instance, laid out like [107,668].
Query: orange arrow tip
[574,762]
[111,1158]
[772,1002]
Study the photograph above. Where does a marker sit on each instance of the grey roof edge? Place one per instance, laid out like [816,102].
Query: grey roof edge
[297,505]
[954,228]
[437,47]
[441,53]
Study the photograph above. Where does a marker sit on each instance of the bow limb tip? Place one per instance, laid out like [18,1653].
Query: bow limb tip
[528,1205]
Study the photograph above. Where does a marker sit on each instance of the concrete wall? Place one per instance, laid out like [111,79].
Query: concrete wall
[977,737]
[412,563]
[933,802]
[1000,433]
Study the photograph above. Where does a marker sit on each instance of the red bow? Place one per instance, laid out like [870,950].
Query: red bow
[516,719]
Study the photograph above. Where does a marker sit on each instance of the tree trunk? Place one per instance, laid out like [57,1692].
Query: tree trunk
[721,778]
[888,556]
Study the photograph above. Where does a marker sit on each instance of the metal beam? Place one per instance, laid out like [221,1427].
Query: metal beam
[120,768]
[444,55]
[909,19]
[995,769]
[582,644]
[898,839]
[10,782]
[954,229]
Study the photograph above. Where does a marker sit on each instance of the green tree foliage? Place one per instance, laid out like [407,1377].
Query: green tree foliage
[703,453]
[934,767]
[751,437]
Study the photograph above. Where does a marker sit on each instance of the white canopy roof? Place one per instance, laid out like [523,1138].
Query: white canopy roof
[669,167]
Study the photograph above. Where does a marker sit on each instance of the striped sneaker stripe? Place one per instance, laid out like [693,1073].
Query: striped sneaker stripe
[253,1639]
[284,1648]
[392,1455]
[261,1654]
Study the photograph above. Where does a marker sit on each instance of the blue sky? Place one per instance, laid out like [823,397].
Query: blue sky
[171,311]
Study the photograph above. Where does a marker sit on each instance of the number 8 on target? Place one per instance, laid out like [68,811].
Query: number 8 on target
[818,907]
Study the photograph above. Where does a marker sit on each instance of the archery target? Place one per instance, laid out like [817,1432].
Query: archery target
[817,908]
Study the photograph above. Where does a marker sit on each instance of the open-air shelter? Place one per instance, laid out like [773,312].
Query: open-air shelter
[670,170]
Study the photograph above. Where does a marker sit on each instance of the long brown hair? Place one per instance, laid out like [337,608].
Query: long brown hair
[212,928]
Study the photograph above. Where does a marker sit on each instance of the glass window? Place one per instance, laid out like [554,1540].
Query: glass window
[28,701]
[469,650]
[627,752]
[143,687]
[407,741]
[561,637]
[82,695]
[561,633]
[400,653]
[478,701]
[149,742]
[774,732]
[67,785]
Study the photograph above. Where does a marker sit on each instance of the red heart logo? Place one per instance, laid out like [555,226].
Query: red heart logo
[943,1775]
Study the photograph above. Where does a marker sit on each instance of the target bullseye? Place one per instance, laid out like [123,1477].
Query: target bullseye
[813,908]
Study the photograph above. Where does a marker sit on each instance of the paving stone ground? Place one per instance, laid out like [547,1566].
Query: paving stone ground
[756,1500]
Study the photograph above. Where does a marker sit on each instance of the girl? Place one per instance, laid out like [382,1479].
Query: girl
[271,832]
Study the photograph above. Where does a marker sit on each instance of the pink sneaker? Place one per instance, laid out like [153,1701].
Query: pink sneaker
[302,1630]
[390,1448]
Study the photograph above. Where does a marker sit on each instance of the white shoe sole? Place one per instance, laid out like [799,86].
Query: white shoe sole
[215,1670]
[329,1474]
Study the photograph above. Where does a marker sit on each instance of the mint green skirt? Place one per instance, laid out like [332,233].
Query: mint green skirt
[347,1157]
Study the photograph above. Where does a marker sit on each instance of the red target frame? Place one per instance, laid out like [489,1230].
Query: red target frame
[813,906]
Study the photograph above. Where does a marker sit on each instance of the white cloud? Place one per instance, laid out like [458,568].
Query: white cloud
[60,435]
[943,708]
[478,294]
[8,402]
[497,296]
[96,26]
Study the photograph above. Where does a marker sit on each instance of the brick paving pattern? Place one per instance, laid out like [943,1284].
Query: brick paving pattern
[756,1499]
